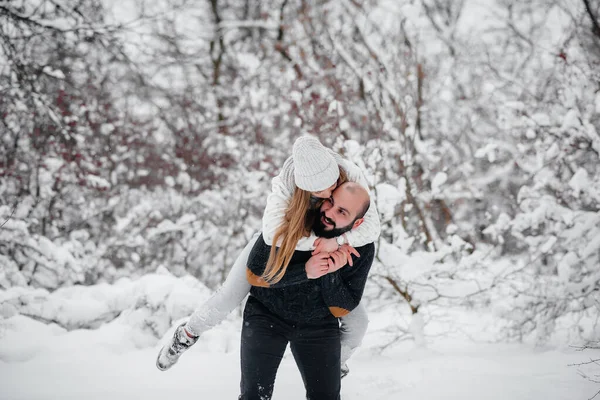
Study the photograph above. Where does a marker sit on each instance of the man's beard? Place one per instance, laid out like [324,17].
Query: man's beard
[320,229]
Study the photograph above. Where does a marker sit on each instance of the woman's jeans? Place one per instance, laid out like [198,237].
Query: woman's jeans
[315,347]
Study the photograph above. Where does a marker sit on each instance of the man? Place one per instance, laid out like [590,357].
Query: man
[302,308]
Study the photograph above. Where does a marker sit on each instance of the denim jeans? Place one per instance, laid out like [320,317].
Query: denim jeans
[315,347]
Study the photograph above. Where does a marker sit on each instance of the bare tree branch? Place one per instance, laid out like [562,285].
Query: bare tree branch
[595,23]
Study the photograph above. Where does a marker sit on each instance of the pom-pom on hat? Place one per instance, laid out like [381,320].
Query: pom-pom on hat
[315,168]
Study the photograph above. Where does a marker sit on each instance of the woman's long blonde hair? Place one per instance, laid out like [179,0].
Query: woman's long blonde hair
[296,224]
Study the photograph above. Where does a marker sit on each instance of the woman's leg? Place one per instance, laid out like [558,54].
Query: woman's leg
[353,329]
[214,310]
[210,313]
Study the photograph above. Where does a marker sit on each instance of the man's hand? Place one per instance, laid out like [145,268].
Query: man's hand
[349,250]
[337,260]
[323,245]
[317,266]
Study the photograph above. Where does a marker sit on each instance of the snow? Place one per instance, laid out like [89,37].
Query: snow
[116,359]
[55,73]
[475,372]
[541,119]
[546,247]
[388,197]
[591,248]
[344,124]
[489,151]
[97,182]
[571,120]
[437,183]
[579,182]
[116,362]
[107,129]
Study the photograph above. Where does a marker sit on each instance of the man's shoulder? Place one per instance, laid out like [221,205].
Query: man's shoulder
[260,251]
[367,254]
[260,243]
[367,248]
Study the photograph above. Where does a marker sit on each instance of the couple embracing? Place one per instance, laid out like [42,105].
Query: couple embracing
[305,275]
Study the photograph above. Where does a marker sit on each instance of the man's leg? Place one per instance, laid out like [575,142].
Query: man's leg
[316,349]
[264,339]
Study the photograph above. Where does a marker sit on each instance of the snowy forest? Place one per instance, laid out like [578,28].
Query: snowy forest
[138,143]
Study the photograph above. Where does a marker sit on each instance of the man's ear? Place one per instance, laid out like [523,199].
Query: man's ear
[357,223]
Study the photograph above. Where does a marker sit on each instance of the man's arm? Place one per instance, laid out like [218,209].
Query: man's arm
[342,290]
[257,263]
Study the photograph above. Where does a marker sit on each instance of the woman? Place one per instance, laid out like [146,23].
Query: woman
[316,171]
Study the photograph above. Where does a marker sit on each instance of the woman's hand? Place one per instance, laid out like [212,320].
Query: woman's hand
[349,250]
[337,260]
[323,245]
[317,266]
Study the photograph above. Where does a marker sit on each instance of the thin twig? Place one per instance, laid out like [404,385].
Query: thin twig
[595,22]
[10,216]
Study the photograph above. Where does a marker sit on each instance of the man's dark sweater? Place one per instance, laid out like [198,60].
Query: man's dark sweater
[297,298]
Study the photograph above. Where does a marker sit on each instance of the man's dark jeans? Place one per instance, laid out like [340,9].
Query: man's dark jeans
[315,346]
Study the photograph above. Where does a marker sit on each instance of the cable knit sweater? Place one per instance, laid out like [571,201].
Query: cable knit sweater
[297,298]
[282,189]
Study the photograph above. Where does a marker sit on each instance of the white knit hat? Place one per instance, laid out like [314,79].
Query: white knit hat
[315,169]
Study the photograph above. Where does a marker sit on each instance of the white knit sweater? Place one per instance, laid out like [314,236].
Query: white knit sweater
[282,189]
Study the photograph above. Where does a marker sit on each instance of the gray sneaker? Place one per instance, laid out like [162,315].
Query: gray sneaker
[171,351]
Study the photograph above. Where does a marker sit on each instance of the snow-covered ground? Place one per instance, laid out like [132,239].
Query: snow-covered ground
[115,360]
[83,371]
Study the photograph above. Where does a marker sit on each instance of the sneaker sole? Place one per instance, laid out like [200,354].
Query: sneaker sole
[158,364]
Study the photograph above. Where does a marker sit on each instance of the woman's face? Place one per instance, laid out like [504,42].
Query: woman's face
[326,193]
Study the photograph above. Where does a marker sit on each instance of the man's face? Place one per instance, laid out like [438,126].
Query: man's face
[338,214]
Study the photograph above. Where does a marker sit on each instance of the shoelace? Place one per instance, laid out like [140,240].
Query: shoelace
[178,345]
